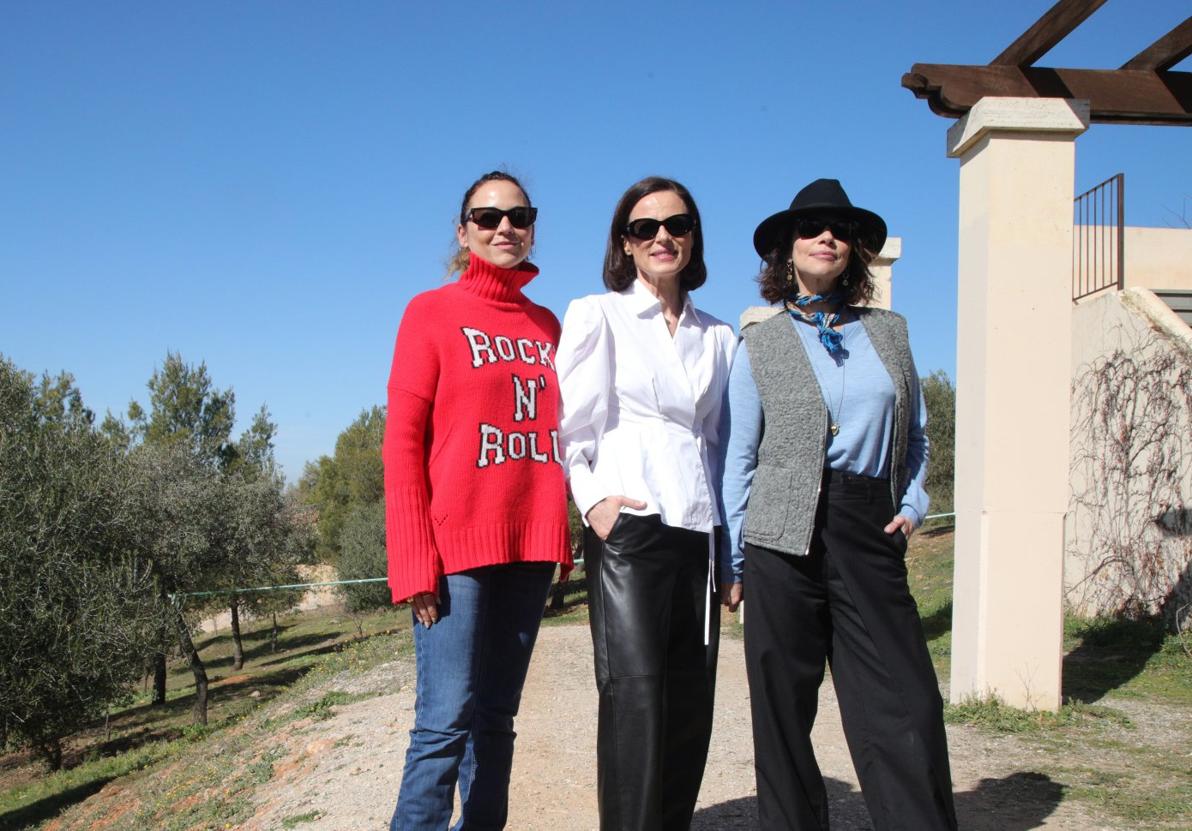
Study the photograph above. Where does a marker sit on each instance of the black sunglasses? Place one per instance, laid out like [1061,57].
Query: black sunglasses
[809,227]
[679,225]
[490,218]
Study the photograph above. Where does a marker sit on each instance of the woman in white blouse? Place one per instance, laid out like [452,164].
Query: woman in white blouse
[642,374]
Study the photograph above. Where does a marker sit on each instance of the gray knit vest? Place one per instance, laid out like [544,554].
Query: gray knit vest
[790,458]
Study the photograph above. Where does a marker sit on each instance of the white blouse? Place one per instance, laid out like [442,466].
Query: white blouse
[641,409]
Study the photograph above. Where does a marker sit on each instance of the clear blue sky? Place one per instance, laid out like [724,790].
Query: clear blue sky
[263,186]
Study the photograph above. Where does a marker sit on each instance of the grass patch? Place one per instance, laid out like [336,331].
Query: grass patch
[1135,796]
[209,782]
[27,805]
[261,771]
[991,713]
[312,645]
[568,601]
[323,709]
[1118,772]
[1130,658]
[300,819]
[929,562]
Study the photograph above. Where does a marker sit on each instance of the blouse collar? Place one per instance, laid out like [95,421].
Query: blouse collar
[643,301]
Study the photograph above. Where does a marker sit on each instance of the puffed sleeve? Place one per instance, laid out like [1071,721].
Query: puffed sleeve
[414,564]
[584,362]
[715,427]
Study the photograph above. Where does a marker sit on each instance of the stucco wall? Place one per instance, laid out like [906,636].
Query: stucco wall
[1128,536]
[1156,259]
[1159,258]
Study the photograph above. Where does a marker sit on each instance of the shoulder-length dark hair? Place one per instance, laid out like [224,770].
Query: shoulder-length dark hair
[458,263]
[619,270]
[776,282]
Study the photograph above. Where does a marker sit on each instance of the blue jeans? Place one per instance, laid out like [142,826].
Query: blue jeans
[471,667]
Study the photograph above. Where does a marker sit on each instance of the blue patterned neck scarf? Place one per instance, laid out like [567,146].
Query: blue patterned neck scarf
[832,340]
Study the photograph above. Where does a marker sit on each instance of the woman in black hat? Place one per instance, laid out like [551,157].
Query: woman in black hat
[820,504]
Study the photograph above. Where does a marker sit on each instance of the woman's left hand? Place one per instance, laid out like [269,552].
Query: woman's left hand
[902,522]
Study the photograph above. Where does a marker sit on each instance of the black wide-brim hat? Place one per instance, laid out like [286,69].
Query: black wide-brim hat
[826,198]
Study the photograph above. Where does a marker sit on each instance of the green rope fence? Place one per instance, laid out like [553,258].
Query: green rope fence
[217,592]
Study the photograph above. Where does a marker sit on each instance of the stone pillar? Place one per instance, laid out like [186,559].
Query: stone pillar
[882,269]
[1014,310]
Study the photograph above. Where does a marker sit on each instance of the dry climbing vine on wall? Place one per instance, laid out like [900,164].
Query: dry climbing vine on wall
[1131,521]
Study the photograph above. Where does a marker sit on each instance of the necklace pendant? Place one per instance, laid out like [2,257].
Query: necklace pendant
[835,429]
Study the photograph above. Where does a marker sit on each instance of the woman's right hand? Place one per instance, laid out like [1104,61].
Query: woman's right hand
[426,608]
[732,595]
[603,515]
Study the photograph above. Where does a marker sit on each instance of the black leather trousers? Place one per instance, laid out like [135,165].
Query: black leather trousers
[647,590]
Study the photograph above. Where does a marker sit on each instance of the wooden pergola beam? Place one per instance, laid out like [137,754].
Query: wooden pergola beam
[1166,52]
[1055,24]
[1123,96]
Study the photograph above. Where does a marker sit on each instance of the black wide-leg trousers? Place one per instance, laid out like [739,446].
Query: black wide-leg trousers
[846,602]
[648,597]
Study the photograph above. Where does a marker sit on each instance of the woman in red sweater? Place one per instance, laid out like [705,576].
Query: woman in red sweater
[475,503]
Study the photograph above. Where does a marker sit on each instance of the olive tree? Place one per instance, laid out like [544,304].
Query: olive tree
[362,556]
[74,621]
[940,398]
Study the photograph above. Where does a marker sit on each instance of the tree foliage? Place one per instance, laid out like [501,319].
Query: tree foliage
[104,532]
[75,621]
[362,556]
[218,518]
[352,478]
[264,544]
[185,409]
[939,396]
[298,547]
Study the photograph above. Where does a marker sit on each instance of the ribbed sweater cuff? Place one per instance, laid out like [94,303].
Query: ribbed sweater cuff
[410,545]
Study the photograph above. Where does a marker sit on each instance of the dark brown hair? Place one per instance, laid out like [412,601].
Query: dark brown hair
[619,270]
[776,284]
[459,259]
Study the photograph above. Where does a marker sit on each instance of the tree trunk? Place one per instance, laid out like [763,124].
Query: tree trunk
[237,643]
[159,679]
[273,635]
[3,734]
[50,750]
[163,634]
[196,667]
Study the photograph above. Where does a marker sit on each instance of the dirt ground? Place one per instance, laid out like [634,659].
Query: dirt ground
[342,773]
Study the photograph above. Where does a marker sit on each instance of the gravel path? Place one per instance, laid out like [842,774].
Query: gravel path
[342,773]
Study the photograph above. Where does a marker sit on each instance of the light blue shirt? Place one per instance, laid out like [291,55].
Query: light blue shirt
[859,396]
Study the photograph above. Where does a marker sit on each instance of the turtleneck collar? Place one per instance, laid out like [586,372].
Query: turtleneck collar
[491,282]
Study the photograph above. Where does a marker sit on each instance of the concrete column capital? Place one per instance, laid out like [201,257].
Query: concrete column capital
[890,252]
[1035,117]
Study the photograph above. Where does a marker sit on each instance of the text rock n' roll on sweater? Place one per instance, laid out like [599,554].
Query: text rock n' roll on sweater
[473,475]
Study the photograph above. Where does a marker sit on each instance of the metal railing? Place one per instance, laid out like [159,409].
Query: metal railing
[1098,238]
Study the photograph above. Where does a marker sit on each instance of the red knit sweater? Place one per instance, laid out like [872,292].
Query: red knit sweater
[473,475]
